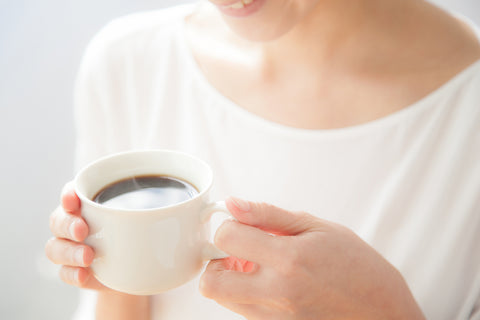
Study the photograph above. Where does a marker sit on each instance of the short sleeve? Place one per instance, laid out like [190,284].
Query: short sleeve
[90,105]
[116,79]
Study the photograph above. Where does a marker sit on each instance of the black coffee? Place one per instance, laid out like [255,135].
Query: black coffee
[145,192]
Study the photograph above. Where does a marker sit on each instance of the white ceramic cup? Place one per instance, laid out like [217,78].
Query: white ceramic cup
[148,251]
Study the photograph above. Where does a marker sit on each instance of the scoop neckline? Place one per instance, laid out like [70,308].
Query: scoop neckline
[388,120]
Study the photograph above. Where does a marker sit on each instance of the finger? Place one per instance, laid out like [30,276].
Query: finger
[68,226]
[221,284]
[249,243]
[80,277]
[269,218]
[69,199]
[61,251]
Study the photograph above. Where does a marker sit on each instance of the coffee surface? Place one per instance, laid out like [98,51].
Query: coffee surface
[145,192]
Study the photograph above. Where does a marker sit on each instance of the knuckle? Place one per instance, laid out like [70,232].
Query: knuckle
[224,233]
[205,286]
[60,223]
[74,228]
[75,276]
[48,248]
[263,209]
[68,227]
[66,275]
[292,262]
[55,250]
[286,301]
[305,218]
[76,255]
[284,293]
[288,296]
[66,253]
[210,281]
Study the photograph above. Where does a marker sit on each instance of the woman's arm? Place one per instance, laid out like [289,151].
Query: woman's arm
[119,306]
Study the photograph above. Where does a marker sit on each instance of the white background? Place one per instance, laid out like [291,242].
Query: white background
[41,43]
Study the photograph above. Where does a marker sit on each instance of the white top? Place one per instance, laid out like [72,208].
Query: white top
[408,183]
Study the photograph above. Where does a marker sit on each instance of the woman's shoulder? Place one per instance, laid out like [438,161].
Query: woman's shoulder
[136,32]
[438,51]
[457,42]
[136,24]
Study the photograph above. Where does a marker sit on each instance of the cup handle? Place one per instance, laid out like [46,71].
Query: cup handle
[210,251]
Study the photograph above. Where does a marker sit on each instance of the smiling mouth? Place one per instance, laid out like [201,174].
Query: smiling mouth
[240,8]
[239,4]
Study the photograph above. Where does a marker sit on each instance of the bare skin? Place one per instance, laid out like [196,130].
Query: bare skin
[371,63]
[331,64]
[311,269]
[66,248]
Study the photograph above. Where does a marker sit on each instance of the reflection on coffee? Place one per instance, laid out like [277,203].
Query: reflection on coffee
[145,192]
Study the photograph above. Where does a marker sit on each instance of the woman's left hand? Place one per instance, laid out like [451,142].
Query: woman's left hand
[288,265]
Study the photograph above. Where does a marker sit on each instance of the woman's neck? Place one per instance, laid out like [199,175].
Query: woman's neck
[338,32]
[347,63]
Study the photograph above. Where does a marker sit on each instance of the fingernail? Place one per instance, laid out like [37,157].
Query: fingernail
[71,229]
[78,256]
[241,204]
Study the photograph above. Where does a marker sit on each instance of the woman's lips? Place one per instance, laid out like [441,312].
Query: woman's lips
[240,8]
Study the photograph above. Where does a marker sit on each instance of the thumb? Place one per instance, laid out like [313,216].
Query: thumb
[269,217]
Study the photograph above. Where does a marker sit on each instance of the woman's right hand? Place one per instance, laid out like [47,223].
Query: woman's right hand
[66,247]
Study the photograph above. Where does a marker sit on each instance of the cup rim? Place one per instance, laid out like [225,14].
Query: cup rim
[85,199]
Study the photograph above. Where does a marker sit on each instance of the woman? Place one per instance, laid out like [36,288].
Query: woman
[358,119]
